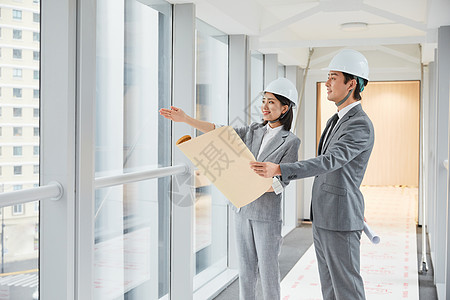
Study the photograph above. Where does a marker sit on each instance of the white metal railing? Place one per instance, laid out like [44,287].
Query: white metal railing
[445,162]
[108,181]
[53,190]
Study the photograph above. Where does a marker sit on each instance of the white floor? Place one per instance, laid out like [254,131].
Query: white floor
[389,269]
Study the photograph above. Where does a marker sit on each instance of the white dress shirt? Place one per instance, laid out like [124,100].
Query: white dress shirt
[346,109]
[341,114]
[268,135]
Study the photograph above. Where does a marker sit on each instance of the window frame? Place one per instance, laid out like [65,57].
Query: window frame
[18,170]
[17,112]
[16,13]
[36,17]
[17,92]
[17,31]
[17,131]
[58,147]
[20,212]
[17,73]
[17,150]
[17,53]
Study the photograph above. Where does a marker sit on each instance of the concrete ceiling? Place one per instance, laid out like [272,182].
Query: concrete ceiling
[290,28]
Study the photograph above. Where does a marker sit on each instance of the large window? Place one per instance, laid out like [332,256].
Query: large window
[19,234]
[132,221]
[210,227]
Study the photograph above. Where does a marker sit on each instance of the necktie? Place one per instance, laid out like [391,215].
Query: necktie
[328,130]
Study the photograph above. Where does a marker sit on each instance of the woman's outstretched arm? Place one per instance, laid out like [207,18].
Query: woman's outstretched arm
[178,115]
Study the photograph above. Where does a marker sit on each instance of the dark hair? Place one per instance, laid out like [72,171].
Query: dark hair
[357,91]
[286,121]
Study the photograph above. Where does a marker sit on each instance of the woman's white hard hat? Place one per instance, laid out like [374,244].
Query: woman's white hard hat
[351,62]
[285,88]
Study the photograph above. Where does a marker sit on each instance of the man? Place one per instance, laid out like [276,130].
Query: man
[337,204]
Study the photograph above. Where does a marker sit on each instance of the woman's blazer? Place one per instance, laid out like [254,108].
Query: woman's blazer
[282,148]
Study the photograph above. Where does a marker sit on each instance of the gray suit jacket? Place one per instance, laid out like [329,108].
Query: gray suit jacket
[337,202]
[282,148]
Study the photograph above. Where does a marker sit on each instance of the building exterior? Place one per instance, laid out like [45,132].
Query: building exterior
[79,114]
[19,123]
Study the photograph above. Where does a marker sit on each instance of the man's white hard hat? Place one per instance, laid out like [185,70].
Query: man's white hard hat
[351,62]
[285,88]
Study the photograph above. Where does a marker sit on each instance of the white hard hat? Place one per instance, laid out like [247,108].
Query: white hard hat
[351,62]
[285,88]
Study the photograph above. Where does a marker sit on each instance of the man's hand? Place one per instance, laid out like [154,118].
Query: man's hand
[265,169]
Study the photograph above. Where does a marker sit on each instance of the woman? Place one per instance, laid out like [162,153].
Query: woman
[258,224]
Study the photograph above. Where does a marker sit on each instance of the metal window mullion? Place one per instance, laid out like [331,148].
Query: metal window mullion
[84,151]
[183,95]
[57,144]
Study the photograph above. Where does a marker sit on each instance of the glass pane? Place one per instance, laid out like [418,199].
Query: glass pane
[210,227]
[133,83]
[19,232]
[127,242]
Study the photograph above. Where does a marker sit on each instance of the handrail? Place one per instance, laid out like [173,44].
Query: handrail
[445,162]
[53,190]
[108,181]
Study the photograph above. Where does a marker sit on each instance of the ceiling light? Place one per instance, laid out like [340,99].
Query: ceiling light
[354,26]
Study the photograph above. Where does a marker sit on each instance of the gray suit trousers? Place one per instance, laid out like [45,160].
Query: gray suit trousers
[338,258]
[258,239]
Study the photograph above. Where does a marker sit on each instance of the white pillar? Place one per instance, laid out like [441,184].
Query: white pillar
[443,97]
[443,61]
[270,68]
[431,157]
[239,92]
[291,195]
[239,109]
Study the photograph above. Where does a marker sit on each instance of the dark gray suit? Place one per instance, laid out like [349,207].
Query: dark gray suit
[337,202]
[258,224]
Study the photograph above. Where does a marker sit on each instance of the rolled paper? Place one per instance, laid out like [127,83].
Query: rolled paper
[183,139]
[373,237]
